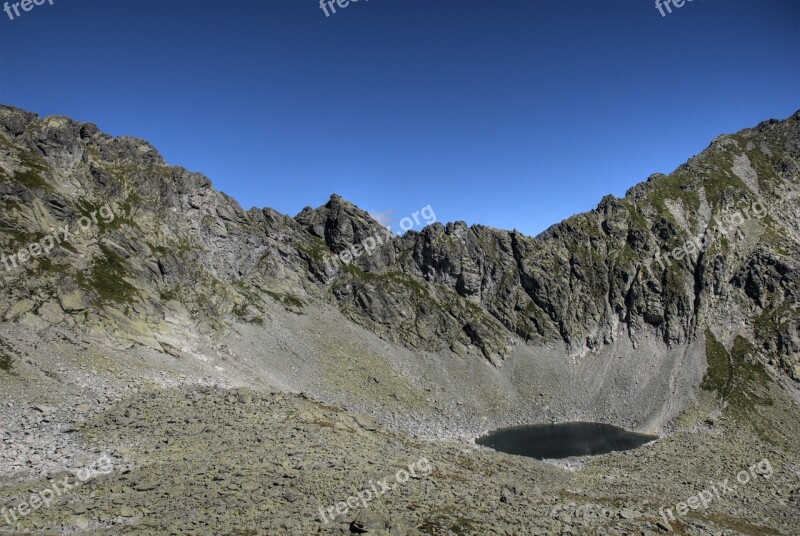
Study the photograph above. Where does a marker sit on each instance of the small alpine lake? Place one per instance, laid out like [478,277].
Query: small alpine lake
[563,440]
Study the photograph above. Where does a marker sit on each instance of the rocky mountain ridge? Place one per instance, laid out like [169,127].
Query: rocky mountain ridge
[178,248]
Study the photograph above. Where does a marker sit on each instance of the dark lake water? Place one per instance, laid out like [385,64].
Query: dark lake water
[562,440]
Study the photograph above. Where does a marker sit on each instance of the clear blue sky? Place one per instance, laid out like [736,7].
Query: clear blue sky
[501,112]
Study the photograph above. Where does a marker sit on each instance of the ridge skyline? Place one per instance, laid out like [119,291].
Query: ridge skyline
[373,213]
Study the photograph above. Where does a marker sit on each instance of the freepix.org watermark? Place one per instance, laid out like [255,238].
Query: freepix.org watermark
[371,243]
[716,491]
[25,5]
[666,4]
[419,469]
[102,466]
[717,227]
[43,247]
[324,5]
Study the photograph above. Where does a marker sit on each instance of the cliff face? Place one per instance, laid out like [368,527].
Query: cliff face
[715,243]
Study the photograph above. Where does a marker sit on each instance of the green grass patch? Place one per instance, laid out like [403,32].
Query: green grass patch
[169,295]
[107,278]
[736,376]
[405,258]
[316,248]
[5,358]
[33,177]
[410,282]
[358,273]
[5,361]
[88,209]
[765,325]
[131,203]
[32,180]
[679,188]
[286,299]
[22,239]
[241,312]
[161,251]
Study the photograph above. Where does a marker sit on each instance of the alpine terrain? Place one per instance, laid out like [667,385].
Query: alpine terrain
[171,363]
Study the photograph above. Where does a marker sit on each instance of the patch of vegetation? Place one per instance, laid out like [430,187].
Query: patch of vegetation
[160,250]
[635,218]
[9,203]
[169,294]
[241,312]
[675,283]
[724,244]
[251,298]
[762,163]
[585,224]
[92,211]
[455,302]
[293,300]
[718,374]
[130,204]
[775,236]
[678,187]
[447,521]
[5,361]
[628,256]
[107,278]
[405,258]
[5,358]
[357,272]
[410,282]
[399,278]
[33,177]
[22,239]
[736,377]
[316,248]
[765,325]
[719,187]
[286,299]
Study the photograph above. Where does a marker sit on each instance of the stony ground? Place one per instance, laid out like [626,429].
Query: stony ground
[157,444]
[207,460]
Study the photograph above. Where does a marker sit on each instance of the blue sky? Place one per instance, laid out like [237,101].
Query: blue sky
[509,113]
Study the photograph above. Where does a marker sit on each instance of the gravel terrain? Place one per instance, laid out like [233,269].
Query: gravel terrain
[187,455]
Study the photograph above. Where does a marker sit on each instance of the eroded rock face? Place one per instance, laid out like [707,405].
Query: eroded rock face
[713,243]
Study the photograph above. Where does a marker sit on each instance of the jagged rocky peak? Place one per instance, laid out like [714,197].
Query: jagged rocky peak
[340,223]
